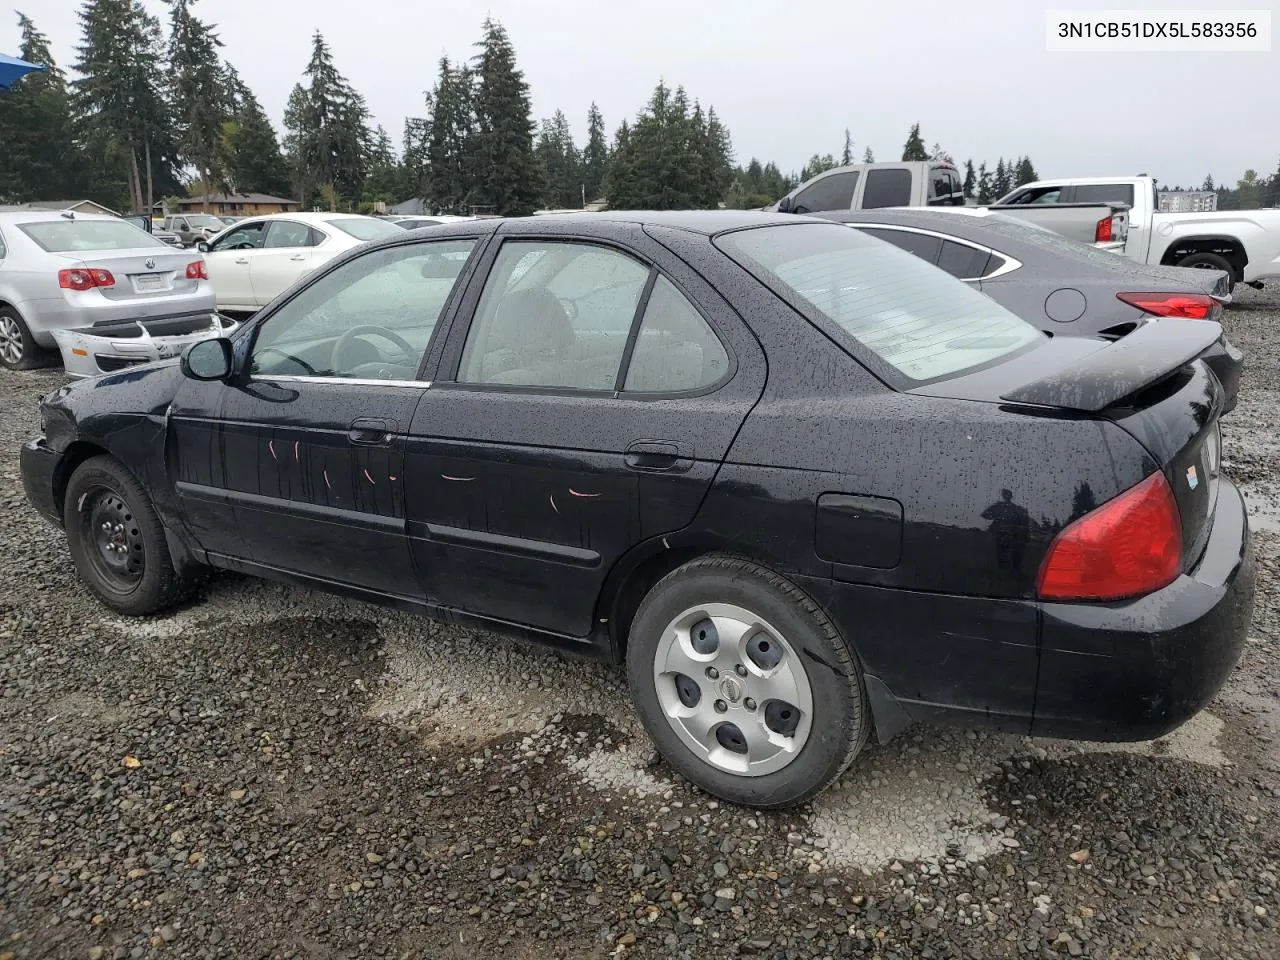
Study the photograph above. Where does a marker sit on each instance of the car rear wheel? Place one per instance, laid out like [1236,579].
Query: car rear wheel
[1211,261]
[117,541]
[18,349]
[744,685]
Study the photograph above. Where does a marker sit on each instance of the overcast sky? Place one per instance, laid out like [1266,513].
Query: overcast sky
[788,77]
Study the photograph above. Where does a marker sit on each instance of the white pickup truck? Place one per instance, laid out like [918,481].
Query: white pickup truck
[1244,243]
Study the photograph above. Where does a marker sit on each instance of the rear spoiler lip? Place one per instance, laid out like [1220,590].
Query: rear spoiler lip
[1132,363]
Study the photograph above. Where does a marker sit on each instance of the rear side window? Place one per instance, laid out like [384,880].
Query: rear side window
[939,188]
[963,261]
[675,349]
[2,249]
[922,245]
[1104,193]
[69,236]
[1035,195]
[834,192]
[920,323]
[887,188]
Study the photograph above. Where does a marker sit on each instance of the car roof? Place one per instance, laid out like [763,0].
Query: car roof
[43,216]
[308,217]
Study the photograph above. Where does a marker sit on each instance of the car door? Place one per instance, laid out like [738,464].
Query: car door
[311,429]
[587,396]
[229,261]
[285,256]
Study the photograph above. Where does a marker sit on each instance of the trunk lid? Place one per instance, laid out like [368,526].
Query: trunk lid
[146,272]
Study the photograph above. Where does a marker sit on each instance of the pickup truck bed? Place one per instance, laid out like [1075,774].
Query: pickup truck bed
[1102,224]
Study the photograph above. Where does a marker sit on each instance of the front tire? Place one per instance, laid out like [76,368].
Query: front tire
[744,685]
[117,541]
[1210,261]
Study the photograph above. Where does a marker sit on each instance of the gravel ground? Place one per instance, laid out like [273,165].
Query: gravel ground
[271,772]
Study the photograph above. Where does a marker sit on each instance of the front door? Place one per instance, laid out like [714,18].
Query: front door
[228,262]
[591,407]
[284,257]
[313,430]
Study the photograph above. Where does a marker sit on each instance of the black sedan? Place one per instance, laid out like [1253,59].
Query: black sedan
[804,484]
[1063,287]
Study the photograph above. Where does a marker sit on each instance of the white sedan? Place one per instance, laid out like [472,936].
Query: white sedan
[254,260]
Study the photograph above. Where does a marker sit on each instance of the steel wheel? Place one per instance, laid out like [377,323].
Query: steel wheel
[733,690]
[117,551]
[10,340]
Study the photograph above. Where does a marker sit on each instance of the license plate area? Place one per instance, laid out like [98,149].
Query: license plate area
[149,282]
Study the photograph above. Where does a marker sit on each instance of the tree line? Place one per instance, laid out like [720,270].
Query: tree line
[128,132]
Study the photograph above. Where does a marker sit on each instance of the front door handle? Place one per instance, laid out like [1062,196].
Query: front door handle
[654,455]
[371,431]
[242,259]
[298,257]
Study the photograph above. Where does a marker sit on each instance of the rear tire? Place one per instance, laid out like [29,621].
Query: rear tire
[1210,261]
[744,685]
[117,541]
[18,349]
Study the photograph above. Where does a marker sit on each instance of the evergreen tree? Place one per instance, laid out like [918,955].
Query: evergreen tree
[451,141]
[414,170]
[846,156]
[985,188]
[1001,184]
[254,163]
[937,153]
[1271,193]
[619,183]
[1248,191]
[382,183]
[717,154]
[198,94]
[118,101]
[1208,185]
[561,164]
[970,180]
[868,156]
[327,132]
[509,174]
[1024,172]
[913,149]
[39,159]
[595,156]
[817,165]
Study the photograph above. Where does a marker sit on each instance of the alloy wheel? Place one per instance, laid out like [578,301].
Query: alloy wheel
[10,340]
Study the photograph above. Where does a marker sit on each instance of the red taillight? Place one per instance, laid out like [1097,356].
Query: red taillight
[1188,306]
[1127,547]
[196,270]
[1102,233]
[85,279]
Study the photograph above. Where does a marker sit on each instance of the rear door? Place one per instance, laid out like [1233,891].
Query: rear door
[589,390]
[285,256]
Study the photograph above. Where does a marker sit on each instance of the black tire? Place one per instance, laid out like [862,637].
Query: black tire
[102,491]
[1210,261]
[841,718]
[15,336]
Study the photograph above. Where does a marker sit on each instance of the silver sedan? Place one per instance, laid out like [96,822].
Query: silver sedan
[103,278]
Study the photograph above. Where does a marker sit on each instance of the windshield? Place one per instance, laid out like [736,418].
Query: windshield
[365,228]
[203,220]
[71,236]
[920,321]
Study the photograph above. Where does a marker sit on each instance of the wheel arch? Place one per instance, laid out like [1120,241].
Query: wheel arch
[76,453]
[1230,248]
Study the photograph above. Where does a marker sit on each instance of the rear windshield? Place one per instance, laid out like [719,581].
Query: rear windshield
[919,320]
[365,228]
[73,236]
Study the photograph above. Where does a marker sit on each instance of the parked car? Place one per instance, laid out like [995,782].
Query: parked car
[167,237]
[89,272]
[191,228]
[254,260]
[415,223]
[935,183]
[805,484]
[1244,243]
[1061,286]
[230,220]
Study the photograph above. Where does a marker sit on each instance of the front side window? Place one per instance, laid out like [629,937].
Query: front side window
[922,323]
[675,349]
[553,315]
[832,192]
[247,236]
[65,235]
[371,318]
[887,188]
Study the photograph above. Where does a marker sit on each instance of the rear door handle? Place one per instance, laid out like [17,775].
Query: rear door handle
[655,455]
[371,431]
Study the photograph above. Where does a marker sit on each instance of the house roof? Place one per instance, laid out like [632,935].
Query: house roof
[65,205]
[235,198]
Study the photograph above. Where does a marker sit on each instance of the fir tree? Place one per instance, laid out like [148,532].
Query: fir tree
[595,156]
[198,94]
[717,154]
[868,156]
[451,141]
[1024,172]
[970,180]
[561,164]
[254,163]
[414,170]
[913,149]
[40,158]
[384,177]
[1001,182]
[509,175]
[846,156]
[984,188]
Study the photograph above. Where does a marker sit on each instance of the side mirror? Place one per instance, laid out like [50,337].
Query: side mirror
[784,205]
[140,221]
[207,360]
[202,246]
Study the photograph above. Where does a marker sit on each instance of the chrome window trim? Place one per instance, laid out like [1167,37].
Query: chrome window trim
[350,381]
[1010,263]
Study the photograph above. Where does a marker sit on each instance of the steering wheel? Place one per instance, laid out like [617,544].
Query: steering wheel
[289,357]
[338,362]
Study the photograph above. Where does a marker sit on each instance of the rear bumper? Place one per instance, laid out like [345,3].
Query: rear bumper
[39,465]
[43,317]
[1136,670]
[1226,362]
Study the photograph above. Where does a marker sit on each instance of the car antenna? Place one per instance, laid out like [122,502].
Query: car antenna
[69,214]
